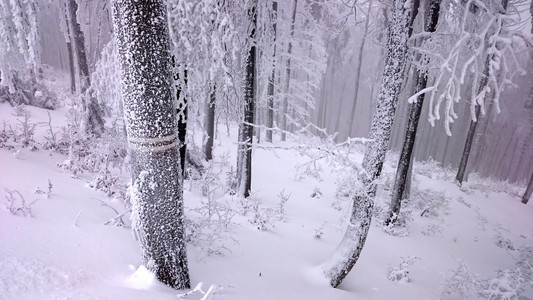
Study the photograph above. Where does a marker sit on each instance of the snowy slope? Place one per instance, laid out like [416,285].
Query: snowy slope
[65,250]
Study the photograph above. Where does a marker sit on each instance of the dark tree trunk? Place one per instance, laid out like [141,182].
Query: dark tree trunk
[244,172]
[142,38]
[529,191]
[285,112]
[210,125]
[94,121]
[461,170]
[182,116]
[404,163]
[349,250]
[270,91]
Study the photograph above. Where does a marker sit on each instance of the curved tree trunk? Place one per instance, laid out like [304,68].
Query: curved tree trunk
[142,38]
[349,250]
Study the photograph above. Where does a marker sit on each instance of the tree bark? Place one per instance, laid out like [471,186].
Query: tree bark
[284,126]
[461,170]
[93,115]
[270,91]
[182,116]
[529,191]
[349,250]
[210,125]
[244,169]
[404,163]
[142,38]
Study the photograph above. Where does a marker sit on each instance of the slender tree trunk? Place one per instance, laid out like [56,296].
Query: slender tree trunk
[288,77]
[432,19]
[70,53]
[349,250]
[461,170]
[182,116]
[94,123]
[359,65]
[210,125]
[244,168]
[270,92]
[529,190]
[142,38]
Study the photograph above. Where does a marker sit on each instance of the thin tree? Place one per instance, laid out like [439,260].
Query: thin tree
[142,38]
[246,130]
[461,170]
[210,124]
[349,250]
[271,78]
[529,190]
[285,112]
[94,121]
[359,65]
[404,163]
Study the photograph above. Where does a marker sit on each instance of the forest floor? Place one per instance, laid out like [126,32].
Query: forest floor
[65,234]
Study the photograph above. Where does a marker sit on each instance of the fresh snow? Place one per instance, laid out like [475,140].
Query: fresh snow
[477,238]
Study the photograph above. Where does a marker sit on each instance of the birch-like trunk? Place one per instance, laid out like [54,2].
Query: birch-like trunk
[142,37]
[349,250]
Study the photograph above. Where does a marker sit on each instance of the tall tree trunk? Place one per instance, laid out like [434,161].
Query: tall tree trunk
[359,65]
[244,168]
[70,53]
[142,38]
[404,163]
[349,250]
[461,170]
[210,125]
[182,116]
[94,123]
[529,190]
[285,112]
[270,91]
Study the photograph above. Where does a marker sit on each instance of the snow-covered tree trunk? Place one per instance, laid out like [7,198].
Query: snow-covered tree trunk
[93,113]
[529,191]
[142,38]
[285,112]
[461,170]
[210,125]
[404,163]
[246,129]
[271,78]
[349,250]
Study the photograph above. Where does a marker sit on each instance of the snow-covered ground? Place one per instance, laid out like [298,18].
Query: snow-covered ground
[451,243]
